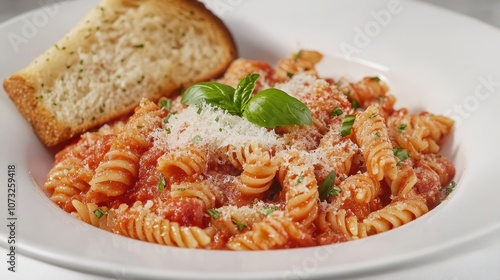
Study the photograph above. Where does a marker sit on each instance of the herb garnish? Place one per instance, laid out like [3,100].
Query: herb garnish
[269,210]
[268,108]
[401,127]
[99,213]
[240,226]
[355,104]
[401,154]
[162,183]
[327,188]
[336,112]
[166,104]
[297,55]
[196,139]
[347,125]
[450,188]
[213,213]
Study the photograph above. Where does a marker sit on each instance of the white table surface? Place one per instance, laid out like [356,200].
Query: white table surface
[480,261]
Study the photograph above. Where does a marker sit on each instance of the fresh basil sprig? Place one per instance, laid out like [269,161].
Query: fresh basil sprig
[268,108]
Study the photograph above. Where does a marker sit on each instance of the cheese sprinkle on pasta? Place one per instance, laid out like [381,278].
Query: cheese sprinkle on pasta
[226,183]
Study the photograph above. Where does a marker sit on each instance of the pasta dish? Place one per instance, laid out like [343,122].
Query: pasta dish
[219,174]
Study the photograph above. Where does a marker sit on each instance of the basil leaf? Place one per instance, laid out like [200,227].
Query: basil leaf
[212,93]
[273,107]
[244,91]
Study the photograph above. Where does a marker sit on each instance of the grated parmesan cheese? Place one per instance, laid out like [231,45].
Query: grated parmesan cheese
[299,85]
[207,126]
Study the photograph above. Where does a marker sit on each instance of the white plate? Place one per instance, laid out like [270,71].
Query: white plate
[432,60]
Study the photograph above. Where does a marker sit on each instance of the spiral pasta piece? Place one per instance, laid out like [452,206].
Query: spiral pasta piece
[139,223]
[66,179]
[363,187]
[94,215]
[235,219]
[404,182]
[372,136]
[115,174]
[340,221]
[369,91]
[337,153]
[395,214]
[303,61]
[274,232]
[258,169]
[419,133]
[442,166]
[439,127]
[296,176]
[241,67]
[210,194]
[120,166]
[180,164]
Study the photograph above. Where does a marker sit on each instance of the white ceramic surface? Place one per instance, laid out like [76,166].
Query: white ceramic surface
[432,59]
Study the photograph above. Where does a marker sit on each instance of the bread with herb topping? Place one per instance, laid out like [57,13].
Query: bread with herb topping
[119,53]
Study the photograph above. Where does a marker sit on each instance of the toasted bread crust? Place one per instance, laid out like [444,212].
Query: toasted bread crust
[24,86]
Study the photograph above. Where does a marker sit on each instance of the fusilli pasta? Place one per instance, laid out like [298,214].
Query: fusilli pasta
[201,177]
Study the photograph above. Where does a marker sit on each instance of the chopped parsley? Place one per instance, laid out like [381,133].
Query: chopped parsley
[297,55]
[373,115]
[450,188]
[166,104]
[99,213]
[162,183]
[376,79]
[334,191]
[377,134]
[347,125]
[165,120]
[269,210]
[196,139]
[240,226]
[140,46]
[336,112]
[355,104]
[401,127]
[213,213]
[300,179]
[401,153]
